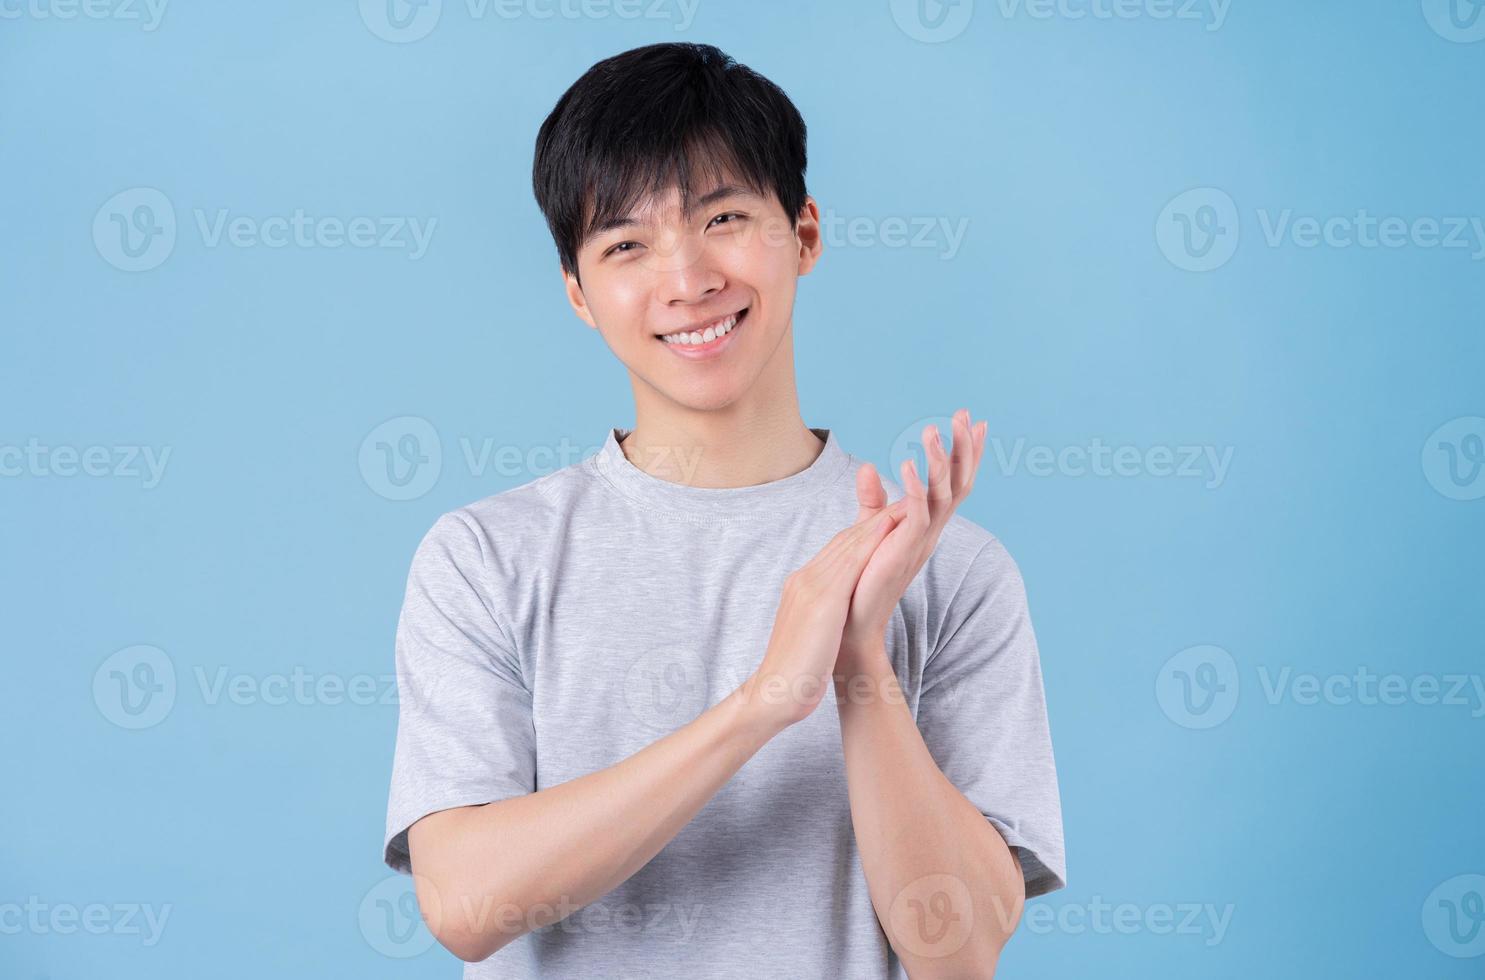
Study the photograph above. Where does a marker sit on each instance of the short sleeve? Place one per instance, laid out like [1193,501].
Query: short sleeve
[464,727]
[983,715]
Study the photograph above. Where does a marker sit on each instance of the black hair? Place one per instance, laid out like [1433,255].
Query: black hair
[651,118]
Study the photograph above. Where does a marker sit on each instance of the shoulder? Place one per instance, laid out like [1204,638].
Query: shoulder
[518,521]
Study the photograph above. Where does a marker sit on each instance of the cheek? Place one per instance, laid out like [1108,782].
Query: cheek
[617,304]
[770,257]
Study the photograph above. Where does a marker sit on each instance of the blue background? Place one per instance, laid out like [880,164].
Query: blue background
[1069,312]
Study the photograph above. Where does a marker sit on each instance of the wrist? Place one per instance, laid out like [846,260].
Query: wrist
[862,662]
[761,708]
[872,681]
[864,645]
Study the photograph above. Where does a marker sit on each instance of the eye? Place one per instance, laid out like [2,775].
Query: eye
[730,214]
[619,249]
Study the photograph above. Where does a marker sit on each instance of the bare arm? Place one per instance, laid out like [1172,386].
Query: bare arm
[946,887]
[560,848]
[487,874]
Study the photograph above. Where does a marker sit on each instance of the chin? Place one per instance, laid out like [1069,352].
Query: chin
[707,397]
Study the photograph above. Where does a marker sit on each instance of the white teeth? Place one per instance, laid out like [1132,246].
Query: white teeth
[702,337]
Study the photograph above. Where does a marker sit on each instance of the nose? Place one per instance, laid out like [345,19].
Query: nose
[685,272]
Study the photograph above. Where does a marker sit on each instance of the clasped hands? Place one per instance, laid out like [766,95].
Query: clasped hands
[834,610]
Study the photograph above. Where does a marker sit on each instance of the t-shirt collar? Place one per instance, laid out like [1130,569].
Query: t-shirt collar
[720,503]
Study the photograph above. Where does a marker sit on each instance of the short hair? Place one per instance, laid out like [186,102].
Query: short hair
[656,117]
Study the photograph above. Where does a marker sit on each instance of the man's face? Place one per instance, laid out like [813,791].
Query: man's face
[657,277]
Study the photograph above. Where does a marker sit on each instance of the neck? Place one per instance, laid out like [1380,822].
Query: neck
[758,438]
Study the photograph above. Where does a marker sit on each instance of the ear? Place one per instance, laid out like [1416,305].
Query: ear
[576,298]
[808,231]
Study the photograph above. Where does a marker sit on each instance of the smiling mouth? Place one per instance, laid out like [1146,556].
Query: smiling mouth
[705,339]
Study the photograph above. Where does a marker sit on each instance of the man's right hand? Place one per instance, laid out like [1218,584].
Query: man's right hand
[797,666]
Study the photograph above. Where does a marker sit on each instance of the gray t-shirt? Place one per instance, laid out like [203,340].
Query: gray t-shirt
[556,628]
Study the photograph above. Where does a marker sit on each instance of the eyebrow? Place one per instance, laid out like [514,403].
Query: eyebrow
[710,197]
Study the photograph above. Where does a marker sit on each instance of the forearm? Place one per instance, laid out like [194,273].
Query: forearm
[946,888]
[490,873]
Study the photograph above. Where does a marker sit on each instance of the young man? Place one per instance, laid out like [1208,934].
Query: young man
[614,757]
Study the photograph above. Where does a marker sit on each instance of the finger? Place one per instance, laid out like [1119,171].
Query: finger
[862,547]
[939,491]
[838,566]
[846,538]
[857,544]
[870,494]
[977,441]
[918,511]
[964,455]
